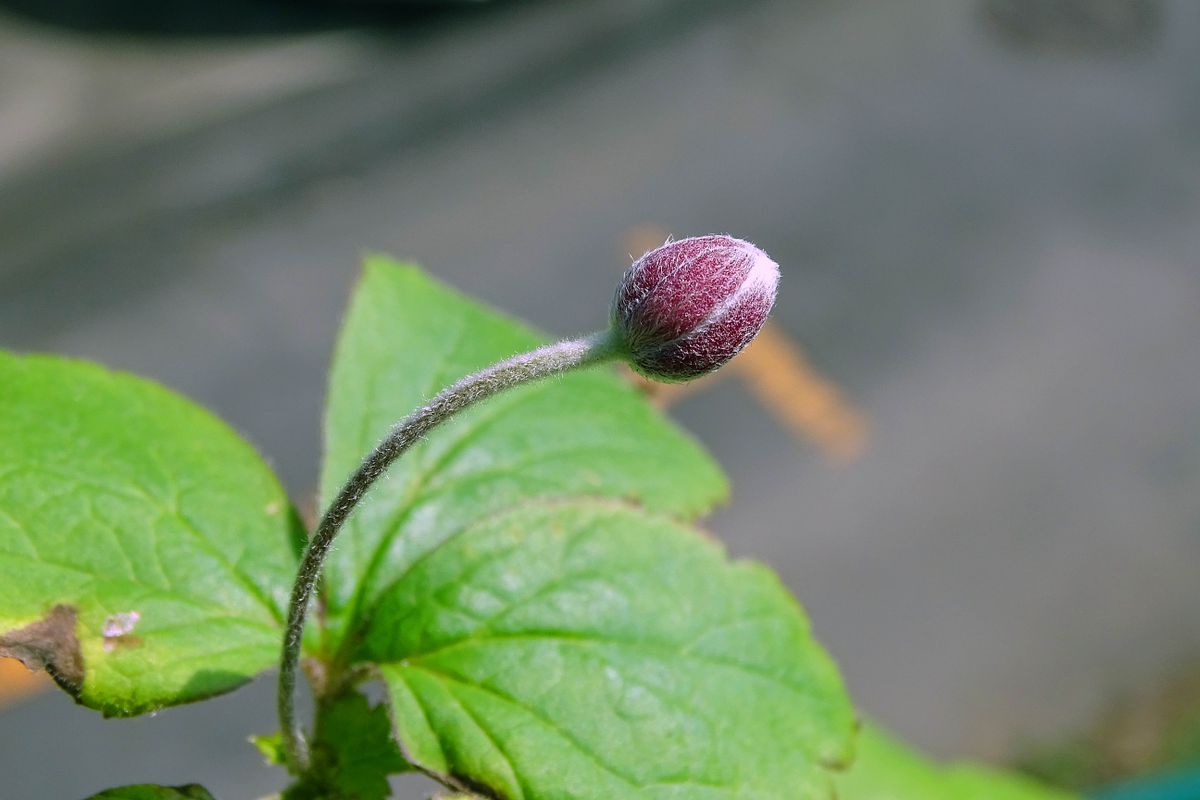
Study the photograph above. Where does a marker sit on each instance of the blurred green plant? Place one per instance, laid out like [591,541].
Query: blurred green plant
[887,770]
[1155,733]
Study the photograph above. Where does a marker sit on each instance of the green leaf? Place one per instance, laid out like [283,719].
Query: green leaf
[887,770]
[147,791]
[406,337]
[356,738]
[270,747]
[544,625]
[353,753]
[586,649]
[146,551]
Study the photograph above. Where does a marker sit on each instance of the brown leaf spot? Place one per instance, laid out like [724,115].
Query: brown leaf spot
[49,644]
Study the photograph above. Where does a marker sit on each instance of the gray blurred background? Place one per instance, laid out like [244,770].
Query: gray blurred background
[988,218]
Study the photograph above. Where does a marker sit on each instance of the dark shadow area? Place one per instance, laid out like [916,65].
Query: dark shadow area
[224,18]
[1083,27]
[83,266]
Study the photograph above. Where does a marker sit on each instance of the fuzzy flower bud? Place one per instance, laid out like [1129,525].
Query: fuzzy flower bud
[684,309]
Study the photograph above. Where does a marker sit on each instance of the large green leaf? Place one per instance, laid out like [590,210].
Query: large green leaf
[585,649]
[145,550]
[545,624]
[147,791]
[887,770]
[407,336]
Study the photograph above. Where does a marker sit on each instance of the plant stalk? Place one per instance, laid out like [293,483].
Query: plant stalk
[540,363]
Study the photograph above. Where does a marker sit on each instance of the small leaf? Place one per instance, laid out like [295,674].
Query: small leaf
[145,550]
[588,650]
[147,791]
[270,747]
[353,753]
[887,770]
[406,337]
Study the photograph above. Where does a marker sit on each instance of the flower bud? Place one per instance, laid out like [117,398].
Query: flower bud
[689,306]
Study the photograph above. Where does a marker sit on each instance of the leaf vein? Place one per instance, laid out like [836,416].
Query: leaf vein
[570,738]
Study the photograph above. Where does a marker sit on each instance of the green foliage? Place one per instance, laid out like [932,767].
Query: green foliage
[145,550]
[584,434]
[887,770]
[1116,748]
[589,650]
[525,582]
[148,791]
[543,627]
[1183,745]
[353,753]
[270,747]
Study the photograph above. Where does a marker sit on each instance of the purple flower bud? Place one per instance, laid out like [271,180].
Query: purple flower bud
[686,308]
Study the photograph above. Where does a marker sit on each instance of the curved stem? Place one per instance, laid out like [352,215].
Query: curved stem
[545,361]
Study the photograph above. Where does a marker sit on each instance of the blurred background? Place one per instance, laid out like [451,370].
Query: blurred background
[970,441]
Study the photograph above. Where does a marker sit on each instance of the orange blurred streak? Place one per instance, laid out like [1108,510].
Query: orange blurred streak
[17,682]
[778,374]
[642,238]
[776,371]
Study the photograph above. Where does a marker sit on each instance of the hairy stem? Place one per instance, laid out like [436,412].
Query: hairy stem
[543,362]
